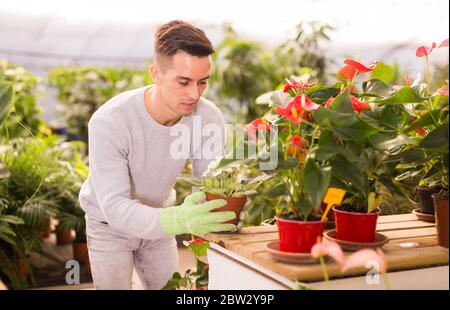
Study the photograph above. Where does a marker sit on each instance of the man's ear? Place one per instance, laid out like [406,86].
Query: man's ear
[154,71]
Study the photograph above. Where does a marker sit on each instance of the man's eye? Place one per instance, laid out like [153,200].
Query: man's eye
[203,82]
[184,83]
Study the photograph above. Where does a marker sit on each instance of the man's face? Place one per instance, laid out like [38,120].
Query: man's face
[181,80]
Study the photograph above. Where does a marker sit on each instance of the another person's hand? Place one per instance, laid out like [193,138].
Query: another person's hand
[195,216]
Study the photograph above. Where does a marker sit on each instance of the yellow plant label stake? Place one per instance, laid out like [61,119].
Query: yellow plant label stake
[333,197]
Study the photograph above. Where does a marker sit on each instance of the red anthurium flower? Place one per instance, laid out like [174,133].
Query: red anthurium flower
[296,85]
[358,105]
[307,104]
[292,84]
[299,143]
[293,111]
[354,68]
[444,43]
[425,50]
[297,147]
[255,126]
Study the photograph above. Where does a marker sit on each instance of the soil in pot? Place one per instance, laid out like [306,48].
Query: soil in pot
[355,226]
[441,215]
[234,204]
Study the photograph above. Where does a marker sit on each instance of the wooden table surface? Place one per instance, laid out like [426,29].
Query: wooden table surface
[412,245]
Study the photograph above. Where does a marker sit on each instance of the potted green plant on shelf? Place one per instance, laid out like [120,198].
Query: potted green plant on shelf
[360,135]
[303,179]
[346,142]
[425,166]
[41,182]
[229,182]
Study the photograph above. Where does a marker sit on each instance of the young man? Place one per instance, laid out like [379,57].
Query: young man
[128,194]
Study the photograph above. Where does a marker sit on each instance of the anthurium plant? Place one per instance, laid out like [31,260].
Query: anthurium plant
[193,278]
[425,164]
[302,177]
[347,136]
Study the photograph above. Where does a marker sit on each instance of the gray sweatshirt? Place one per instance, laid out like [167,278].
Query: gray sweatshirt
[132,171]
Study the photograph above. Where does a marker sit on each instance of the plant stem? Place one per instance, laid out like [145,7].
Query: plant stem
[386,280]
[324,269]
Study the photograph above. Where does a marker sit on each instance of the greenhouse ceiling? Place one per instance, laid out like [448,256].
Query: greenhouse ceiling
[43,34]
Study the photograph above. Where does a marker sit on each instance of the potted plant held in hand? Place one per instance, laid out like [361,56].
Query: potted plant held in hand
[229,183]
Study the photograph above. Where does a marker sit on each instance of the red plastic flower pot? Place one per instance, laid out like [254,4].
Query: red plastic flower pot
[355,227]
[299,236]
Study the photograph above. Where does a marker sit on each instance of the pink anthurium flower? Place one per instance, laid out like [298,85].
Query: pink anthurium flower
[443,91]
[425,50]
[354,68]
[360,259]
[329,248]
[443,43]
[255,126]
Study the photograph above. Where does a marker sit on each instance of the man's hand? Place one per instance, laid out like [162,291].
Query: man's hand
[195,216]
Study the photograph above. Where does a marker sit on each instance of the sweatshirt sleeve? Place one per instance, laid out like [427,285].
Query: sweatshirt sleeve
[108,164]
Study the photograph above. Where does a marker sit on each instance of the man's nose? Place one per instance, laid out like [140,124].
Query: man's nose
[194,92]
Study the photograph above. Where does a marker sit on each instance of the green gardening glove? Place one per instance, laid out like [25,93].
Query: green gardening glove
[194,216]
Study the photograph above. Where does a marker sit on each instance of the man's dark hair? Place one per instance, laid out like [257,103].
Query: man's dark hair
[179,35]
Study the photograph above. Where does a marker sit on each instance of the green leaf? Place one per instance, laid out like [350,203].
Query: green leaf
[385,143]
[327,146]
[342,103]
[199,249]
[438,138]
[274,98]
[11,219]
[316,180]
[384,72]
[348,173]
[375,87]
[321,94]
[289,163]
[172,284]
[392,116]
[425,120]
[6,99]
[7,239]
[404,95]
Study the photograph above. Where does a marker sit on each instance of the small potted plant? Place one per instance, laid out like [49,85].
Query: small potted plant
[230,183]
